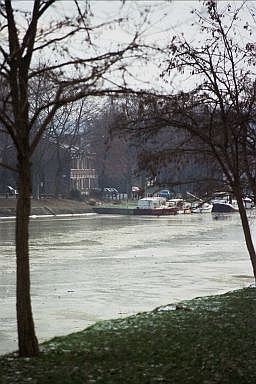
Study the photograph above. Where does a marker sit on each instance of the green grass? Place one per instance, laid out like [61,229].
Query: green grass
[203,341]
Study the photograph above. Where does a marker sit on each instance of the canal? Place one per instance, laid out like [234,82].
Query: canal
[94,267]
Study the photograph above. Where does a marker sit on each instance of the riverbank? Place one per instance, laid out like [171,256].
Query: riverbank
[207,340]
[49,206]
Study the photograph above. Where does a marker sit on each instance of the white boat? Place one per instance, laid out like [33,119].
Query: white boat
[224,205]
[248,203]
[151,203]
[199,205]
[223,202]
[181,205]
[154,206]
[202,207]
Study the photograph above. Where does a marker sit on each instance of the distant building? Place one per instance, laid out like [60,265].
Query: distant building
[82,173]
[60,168]
[59,165]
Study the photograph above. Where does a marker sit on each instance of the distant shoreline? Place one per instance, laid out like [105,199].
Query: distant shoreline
[46,207]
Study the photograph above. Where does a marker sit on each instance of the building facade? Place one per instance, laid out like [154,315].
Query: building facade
[83,176]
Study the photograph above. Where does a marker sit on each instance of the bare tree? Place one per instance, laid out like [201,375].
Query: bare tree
[114,159]
[216,118]
[40,48]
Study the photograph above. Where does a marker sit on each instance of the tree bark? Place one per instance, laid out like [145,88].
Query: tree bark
[247,231]
[27,341]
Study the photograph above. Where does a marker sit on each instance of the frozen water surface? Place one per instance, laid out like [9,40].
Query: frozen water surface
[95,267]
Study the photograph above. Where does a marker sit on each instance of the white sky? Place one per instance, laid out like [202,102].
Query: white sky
[167,18]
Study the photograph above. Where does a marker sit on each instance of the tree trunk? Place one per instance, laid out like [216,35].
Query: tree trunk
[247,231]
[27,341]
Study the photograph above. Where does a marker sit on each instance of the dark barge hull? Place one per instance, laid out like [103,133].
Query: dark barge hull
[155,212]
[113,211]
[223,208]
[135,211]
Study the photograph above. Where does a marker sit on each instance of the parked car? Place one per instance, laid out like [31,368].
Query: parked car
[111,191]
[165,193]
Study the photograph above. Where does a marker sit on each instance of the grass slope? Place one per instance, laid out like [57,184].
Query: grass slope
[207,340]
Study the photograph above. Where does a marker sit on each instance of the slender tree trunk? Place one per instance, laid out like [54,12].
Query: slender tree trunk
[247,231]
[28,344]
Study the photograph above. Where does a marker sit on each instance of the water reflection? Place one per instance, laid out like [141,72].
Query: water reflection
[96,267]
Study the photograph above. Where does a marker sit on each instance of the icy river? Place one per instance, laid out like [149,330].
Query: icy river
[94,267]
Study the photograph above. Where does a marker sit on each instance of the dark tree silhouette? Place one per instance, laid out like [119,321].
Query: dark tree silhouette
[38,51]
[215,120]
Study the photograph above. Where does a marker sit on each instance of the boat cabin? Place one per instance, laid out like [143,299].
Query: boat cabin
[151,203]
[181,205]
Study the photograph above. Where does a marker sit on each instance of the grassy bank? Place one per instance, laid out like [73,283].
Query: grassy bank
[203,341]
[50,206]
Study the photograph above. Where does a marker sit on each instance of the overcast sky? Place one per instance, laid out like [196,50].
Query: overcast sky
[165,19]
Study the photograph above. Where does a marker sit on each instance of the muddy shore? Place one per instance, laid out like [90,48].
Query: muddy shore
[50,206]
